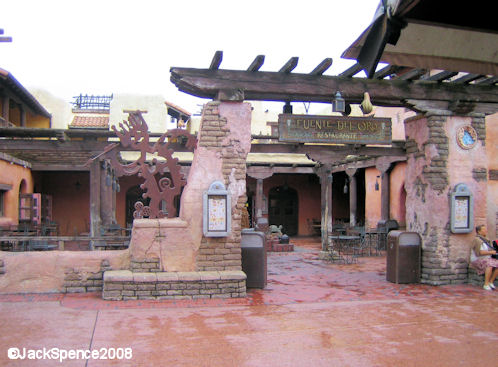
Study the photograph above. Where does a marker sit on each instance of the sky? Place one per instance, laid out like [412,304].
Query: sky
[70,47]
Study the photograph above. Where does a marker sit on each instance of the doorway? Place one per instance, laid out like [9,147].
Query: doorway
[283,209]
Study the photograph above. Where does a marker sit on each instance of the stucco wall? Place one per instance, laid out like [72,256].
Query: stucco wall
[13,175]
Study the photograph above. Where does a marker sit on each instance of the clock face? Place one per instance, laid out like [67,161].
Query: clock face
[466,137]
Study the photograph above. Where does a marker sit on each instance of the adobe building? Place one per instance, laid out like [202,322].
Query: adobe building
[442,132]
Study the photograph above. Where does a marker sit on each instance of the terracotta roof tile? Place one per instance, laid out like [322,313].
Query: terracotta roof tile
[91,121]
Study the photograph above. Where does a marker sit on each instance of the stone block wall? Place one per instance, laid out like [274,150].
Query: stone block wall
[145,265]
[77,281]
[126,285]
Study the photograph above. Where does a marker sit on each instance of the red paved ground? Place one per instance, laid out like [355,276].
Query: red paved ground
[312,313]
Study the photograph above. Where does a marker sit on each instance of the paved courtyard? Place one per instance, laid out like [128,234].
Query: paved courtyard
[313,313]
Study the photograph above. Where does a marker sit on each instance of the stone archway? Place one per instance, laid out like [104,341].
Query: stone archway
[283,209]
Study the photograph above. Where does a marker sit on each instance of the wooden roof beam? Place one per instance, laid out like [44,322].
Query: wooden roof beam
[443,75]
[322,67]
[289,65]
[412,74]
[257,63]
[295,87]
[217,58]
[353,70]
[467,78]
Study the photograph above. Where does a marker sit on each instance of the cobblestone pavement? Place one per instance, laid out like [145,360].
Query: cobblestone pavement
[312,313]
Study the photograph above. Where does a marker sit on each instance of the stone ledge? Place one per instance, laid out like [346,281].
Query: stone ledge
[126,285]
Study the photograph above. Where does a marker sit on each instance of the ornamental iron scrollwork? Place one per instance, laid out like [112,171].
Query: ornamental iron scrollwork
[157,186]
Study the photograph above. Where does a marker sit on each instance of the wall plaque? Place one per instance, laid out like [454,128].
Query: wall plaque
[462,209]
[334,129]
[217,212]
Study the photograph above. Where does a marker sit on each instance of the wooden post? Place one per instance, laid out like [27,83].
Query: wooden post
[384,190]
[23,115]
[106,193]
[95,222]
[5,108]
[326,180]
[353,196]
[261,223]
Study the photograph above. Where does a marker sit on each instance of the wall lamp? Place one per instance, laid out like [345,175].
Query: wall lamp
[346,186]
[377,183]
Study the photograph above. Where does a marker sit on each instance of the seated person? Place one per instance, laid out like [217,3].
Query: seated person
[481,260]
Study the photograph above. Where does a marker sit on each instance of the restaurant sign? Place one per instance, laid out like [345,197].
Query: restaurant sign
[334,129]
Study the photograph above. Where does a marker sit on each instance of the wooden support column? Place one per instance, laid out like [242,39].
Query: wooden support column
[95,222]
[5,108]
[326,180]
[384,190]
[23,115]
[260,173]
[353,196]
[106,194]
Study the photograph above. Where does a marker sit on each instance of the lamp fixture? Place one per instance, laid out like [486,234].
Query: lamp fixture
[338,104]
[377,183]
[288,107]
[346,186]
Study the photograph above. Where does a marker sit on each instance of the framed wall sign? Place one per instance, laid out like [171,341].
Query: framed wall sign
[462,209]
[217,211]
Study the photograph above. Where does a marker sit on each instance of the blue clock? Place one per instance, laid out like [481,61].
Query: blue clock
[466,137]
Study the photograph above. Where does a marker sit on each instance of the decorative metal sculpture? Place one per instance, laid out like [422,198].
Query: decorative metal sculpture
[162,190]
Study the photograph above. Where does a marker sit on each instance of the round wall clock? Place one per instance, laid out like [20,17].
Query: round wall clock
[466,137]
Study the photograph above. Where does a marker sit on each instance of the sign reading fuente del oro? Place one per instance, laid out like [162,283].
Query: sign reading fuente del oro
[334,129]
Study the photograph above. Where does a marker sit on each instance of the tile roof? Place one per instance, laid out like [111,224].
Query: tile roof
[91,122]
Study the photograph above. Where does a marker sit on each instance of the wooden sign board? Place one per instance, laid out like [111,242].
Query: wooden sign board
[334,129]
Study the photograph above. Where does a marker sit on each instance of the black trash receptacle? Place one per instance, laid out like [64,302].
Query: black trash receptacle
[254,258]
[403,257]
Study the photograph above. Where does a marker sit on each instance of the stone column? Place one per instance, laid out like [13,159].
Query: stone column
[435,165]
[353,196]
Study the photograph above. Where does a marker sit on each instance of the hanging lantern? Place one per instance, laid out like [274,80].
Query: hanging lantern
[338,104]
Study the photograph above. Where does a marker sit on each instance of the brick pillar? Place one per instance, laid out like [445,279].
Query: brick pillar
[435,165]
[226,134]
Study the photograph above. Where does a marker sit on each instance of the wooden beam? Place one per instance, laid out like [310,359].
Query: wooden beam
[412,74]
[217,58]
[322,67]
[294,87]
[467,78]
[488,81]
[257,63]
[289,65]
[353,70]
[443,75]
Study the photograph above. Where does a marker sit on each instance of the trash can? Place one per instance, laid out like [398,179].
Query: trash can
[403,257]
[254,258]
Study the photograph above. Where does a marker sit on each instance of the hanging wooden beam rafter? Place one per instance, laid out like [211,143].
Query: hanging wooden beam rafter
[322,67]
[217,58]
[289,65]
[257,63]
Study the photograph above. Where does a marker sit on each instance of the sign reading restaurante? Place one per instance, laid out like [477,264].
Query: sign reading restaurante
[334,129]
